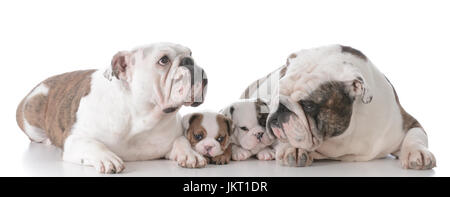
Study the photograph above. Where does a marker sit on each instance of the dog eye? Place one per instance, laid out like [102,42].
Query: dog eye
[198,137]
[308,106]
[164,60]
[220,139]
[244,128]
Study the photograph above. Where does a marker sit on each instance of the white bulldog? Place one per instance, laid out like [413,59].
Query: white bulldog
[128,112]
[333,103]
[250,136]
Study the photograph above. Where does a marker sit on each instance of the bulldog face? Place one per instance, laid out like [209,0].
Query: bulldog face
[306,122]
[209,133]
[249,117]
[316,97]
[163,74]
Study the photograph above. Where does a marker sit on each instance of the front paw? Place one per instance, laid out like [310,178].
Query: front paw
[105,162]
[240,154]
[220,159]
[294,157]
[266,154]
[191,159]
[418,159]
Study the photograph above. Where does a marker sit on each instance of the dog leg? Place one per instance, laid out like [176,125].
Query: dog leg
[183,154]
[287,155]
[239,154]
[90,152]
[266,154]
[414,153]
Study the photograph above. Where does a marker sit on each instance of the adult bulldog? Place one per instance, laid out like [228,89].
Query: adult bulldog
[127,112]
[331,102]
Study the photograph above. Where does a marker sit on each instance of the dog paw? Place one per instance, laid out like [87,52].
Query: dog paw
[266,154]
[240,154]
[220,159]
[191,159]
[105,162]
[418,159]
[294,157]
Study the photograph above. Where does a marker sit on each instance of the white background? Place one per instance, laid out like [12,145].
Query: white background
[236,42]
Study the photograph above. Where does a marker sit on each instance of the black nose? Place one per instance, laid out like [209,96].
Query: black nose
[186,61]
[259,135]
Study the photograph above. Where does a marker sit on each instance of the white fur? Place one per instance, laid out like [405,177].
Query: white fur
[209,123]
[34,133]
[122,120]
[40,89]
[375,128]
[245,143]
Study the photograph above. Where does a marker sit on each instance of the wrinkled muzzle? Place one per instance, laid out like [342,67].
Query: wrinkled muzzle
[290,124]
[189,84]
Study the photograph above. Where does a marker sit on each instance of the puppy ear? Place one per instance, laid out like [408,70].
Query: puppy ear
[262,111]
[227,112]
[188,119]
[120,64]
[358,88]
[230,125]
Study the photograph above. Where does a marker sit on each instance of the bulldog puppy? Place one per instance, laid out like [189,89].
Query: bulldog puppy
[128,112]
[333,103]
[209,134]
[250,136]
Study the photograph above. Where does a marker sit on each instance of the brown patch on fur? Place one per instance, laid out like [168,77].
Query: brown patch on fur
[225,129]
[283,71]
[55,113]
[292,56]
[34,110]
[195,128]
[409,121]
[355,52]
[221,159]
[119,64]
[330,107]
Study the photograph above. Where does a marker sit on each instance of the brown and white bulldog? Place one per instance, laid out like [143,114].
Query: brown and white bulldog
[331,102]
[209,134]
[127,112]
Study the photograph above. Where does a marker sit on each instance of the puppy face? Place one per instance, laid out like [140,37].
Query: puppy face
[249,117]
[209,133]
[317,96]
[164,74]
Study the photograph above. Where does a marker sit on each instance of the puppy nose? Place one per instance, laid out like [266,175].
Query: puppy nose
[186,61]
[259,135]
[208,148]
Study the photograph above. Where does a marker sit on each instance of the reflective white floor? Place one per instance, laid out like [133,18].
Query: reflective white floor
[43,160]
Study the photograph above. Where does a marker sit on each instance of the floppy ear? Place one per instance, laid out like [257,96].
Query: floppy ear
[358,88]
[187,120]
[120,64]
[230,125]
[262,110]
[227,112]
